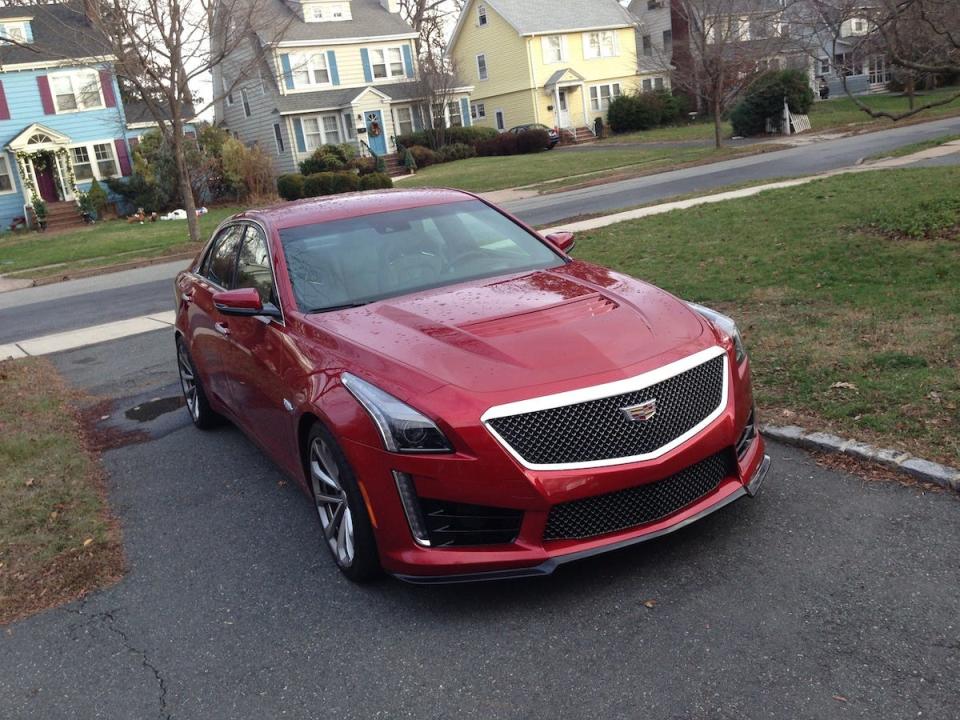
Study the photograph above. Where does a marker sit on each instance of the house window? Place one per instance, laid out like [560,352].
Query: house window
[453,112]
[501,121]
[481,15]
[6,182]
[312,133]
[668,43]
[246,102]
[227,90]
[76,91]
[387,63]
[859,26]
[278,137]
[14,31]
[331,130]
[477,111]
[824,67]
[601,95]
[348,126]
[482,67]
[600,44]
[82,168]
[658,83]
[405,120]
[106,165]
[647,86]
[310,70]
[647,46]
[552,46]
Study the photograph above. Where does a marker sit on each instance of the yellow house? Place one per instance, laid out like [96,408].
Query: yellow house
[542,61]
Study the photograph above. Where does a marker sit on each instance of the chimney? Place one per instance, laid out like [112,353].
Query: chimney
[392,6]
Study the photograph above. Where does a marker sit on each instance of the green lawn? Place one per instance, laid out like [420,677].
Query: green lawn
[848,280]
[103,244]
[57,540]
[840,112]
[916,147]
[495,173]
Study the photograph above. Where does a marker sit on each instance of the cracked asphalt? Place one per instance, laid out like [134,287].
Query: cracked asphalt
[826,597]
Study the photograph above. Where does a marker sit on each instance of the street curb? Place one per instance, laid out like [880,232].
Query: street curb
[107,269]
[917,468]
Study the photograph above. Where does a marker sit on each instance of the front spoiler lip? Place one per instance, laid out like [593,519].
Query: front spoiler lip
[751,489]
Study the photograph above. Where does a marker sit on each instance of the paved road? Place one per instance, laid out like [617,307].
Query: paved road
[36,311]
[827,597]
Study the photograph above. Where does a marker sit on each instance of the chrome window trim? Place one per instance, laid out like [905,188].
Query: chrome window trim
[618,387]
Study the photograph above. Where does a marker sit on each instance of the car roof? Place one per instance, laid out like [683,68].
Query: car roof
[341,207]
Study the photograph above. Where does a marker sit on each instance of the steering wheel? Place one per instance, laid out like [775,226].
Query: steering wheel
[468,257]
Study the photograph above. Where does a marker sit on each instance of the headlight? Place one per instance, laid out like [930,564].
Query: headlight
[402,428]
[725,324]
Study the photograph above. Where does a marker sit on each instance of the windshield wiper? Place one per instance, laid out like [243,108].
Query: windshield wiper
[332,308]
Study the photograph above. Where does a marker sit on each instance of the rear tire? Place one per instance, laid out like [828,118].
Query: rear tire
[341,510]
[198,406]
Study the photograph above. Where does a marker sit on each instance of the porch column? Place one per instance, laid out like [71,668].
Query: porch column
[583,101]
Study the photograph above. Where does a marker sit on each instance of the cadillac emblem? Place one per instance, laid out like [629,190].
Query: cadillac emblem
[642,412]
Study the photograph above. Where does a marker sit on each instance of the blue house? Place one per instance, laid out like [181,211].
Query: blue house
[61,120]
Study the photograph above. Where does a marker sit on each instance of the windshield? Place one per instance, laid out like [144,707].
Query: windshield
[351,262]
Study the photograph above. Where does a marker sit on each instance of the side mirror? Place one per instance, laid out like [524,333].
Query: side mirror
[563,240]
[244,302]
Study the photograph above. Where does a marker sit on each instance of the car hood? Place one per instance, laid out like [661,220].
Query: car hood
[539,328]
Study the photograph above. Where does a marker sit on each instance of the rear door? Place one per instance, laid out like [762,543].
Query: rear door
[206,328]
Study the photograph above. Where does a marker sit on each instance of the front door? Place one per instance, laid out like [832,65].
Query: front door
[376,134]
[563,111]
[46,182]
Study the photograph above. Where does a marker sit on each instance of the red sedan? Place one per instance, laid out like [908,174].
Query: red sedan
[459,398]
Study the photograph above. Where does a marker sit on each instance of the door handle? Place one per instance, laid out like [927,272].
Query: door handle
[221,328]
[187,297]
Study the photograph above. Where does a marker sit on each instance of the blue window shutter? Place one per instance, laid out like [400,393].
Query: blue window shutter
[332,67]
[465,112]
[415,114]
[367,71]
[408,61]
[29,35]
[287,72]
[298,131]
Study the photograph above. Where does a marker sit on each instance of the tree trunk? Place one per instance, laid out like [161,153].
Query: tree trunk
[186,189]
[911,89]
[717,124]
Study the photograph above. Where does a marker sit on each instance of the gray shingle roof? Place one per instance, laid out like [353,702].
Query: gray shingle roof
[60,31]
[369,19]
[341,97]
[544,16]
[137,112]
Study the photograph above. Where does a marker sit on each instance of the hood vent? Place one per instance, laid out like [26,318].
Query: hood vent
[585,307]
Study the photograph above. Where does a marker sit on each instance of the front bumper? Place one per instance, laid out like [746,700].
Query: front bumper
[751,489]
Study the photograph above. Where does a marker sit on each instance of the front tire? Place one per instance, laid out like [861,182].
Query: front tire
[346,527]
[196,400]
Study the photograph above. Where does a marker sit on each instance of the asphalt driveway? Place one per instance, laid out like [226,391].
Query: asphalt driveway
[827,597]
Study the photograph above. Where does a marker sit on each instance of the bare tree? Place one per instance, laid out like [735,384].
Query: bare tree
[437,87]
[719,46]
[162,48]
[919,38]
[429,20]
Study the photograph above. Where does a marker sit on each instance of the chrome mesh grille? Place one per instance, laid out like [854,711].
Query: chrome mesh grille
[640,505]
[597,429]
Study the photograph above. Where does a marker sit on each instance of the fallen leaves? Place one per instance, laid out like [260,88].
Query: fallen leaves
[650,604]
[844,386]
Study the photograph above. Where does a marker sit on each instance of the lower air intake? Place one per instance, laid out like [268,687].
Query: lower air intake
[640,505]
[455,524]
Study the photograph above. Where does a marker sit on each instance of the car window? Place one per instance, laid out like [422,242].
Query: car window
[253,266]
[372,257]
[223,256]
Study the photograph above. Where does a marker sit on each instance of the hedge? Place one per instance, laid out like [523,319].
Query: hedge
[763,100]
[645,111]
[295,186]
[451,136]
[290,186]
[528,141]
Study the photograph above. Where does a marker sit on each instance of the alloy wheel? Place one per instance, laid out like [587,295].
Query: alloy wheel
[336,520]
[188,382]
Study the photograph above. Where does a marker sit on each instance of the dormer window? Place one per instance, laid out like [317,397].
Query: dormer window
[15,31]
[481,15]
[327,12]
